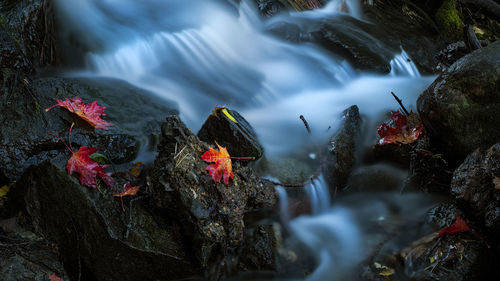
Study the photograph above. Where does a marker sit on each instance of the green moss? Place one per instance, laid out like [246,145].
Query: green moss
[449,21]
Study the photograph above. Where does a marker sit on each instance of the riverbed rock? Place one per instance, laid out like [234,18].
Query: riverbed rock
[26,256]
[232,131]
[461,108]
[211,214]
[29,27]
[460,257]
[340,157]
[472,186]
[25,140]
[91,229]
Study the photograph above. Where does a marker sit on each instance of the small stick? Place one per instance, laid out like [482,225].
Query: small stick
[400,103]
[305,124]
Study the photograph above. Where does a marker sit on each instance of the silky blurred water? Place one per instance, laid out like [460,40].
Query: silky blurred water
[203,53]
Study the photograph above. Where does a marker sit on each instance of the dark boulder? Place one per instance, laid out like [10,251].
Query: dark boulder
[461,109]
[25,256]
[91,230]
[340,157]
[24,139]
[460,256]
[27,28]
[211,214]
[236,134]
[472,186]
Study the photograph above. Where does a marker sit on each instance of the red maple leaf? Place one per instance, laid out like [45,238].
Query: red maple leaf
[89,112]
[87,168]
[54,277]
[129,191]
[400,133]
[222,166]
[458,226]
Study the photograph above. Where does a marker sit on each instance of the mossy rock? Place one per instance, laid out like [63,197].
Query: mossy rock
[461,109]
[449,21]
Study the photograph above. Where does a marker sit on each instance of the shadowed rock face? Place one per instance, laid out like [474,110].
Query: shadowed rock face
[472,186]
[461,109]
[341,158]
[211,214]
[90,229]
[238,137]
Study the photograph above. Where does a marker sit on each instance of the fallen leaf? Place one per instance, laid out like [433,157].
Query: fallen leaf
[91,112]
[400,133]
[135,171]
[87,168]
[228,115]
[3,190]
[100,158]
[384,270]
[129,190]
[458,226]
[222,166]
[54,277]
[496,183]
[216,109]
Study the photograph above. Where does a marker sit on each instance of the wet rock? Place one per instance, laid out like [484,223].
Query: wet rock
[405,24]
[28,26]
[270,8]
[236,134]
[25,256]
[460,110]
[260,250]
[24,138]
[472,186]
[211,214]
[288,170]
[428,171]
[341,158]
[461,256]
[91,230]
[376,178]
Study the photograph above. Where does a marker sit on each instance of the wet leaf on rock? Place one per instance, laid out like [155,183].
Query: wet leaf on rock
[457,227]
[91,112]
[87,168]
[222,164]
[496,183]
[54,277]
[401,132]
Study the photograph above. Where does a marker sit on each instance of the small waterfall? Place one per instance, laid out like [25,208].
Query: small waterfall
[284,208]
[403,65]
[319,195]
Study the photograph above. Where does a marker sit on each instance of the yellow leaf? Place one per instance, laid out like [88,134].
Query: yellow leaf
[432,259]
[386,271]
[3,190]
[496,182]
[224,110]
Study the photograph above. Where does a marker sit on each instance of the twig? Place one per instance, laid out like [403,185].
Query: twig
[400,103]
[129,225]
[305,124]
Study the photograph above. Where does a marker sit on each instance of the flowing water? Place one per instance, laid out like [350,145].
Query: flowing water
[202,53]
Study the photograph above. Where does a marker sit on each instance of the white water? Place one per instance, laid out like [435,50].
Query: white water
[201,53]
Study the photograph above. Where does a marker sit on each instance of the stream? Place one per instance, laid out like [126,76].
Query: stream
[204,53]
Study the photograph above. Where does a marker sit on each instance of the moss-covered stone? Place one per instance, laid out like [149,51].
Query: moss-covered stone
[449,21]
[461,109]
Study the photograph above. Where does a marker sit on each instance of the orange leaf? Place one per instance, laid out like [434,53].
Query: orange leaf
[129,190]
[135,171]
[458,226]
[222,164]
[54,277]
[88,169]
[400,133]
[89,112]
[496,182]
